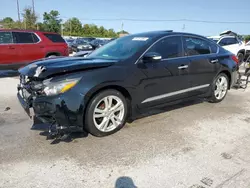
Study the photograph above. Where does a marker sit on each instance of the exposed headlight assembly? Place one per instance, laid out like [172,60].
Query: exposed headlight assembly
[57,87]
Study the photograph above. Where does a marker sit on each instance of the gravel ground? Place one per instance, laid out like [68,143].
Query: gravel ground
[192,145]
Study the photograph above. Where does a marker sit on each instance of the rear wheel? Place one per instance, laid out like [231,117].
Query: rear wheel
[240,57]
[219,88]
[106,113]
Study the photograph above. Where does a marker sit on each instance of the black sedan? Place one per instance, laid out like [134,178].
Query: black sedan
[116,82]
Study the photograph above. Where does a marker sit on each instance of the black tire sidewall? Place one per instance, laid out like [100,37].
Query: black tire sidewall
[213,99]
[89,123]
[242,59]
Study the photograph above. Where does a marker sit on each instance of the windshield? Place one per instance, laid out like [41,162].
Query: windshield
[121,48]
[248,43]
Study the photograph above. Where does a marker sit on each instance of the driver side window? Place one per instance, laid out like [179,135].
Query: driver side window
[169,47]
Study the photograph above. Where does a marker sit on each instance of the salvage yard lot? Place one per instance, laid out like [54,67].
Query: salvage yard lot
[194,144]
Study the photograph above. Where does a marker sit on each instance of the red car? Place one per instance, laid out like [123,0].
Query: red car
[20,47]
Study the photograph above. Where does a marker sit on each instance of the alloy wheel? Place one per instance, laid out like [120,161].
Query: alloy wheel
[221,87]
[108,113]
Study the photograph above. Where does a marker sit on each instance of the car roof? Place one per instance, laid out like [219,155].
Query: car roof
[163,33]
[24,30]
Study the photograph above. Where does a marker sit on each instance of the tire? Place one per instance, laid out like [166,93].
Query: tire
[51,56]
[240,57]
[215,97]
[101,118]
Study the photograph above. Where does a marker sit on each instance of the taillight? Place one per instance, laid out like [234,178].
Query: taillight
[235,59]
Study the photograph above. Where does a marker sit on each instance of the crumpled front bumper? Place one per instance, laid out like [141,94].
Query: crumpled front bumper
[64,110]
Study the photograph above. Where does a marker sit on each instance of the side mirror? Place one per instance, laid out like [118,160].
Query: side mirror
[151,57]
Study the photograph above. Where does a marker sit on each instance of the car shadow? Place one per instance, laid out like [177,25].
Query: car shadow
[71,137]
[39,126]
[167,108]
[8,73]
[124,182]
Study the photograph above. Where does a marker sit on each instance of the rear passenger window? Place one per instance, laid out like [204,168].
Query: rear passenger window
[54,37]
[170,47]
[196,46]
[23,38]
[6,38]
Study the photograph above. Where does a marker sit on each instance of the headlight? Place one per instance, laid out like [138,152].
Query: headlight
[55,88]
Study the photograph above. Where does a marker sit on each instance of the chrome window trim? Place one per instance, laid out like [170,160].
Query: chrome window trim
[27,32]
[185,56]
[158,97]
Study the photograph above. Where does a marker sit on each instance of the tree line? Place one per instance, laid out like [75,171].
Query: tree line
[53,23]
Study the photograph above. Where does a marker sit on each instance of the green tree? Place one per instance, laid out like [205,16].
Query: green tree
[7,23]
[93,30]
[247,38]
[101,31]
[51,21]
[86,31]
[112,33]
[40,26]
[29,18]
[73,27]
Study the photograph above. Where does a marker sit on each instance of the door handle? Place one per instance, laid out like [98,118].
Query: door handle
[183,67]
[41,46]
[11,47]
[214,61]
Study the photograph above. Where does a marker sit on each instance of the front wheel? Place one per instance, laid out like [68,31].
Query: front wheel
[219,88]
[106,113]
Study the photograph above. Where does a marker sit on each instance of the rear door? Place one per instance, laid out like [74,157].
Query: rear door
[29,45]
[8,52]
[204,64]
[167,80]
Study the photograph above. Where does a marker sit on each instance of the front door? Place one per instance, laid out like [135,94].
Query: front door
[167,80]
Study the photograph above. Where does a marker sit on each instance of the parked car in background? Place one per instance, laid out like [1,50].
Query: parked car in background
[131,74]
[97,43]
[20,47]
[88,39]
[231,42]
[70,41]
[80,44]
[247,51]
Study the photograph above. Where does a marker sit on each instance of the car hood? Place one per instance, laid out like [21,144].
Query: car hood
[57,66]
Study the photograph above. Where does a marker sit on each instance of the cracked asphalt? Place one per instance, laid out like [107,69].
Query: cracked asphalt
[192,145]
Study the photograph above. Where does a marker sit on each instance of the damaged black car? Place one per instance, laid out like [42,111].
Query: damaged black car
[100,92]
